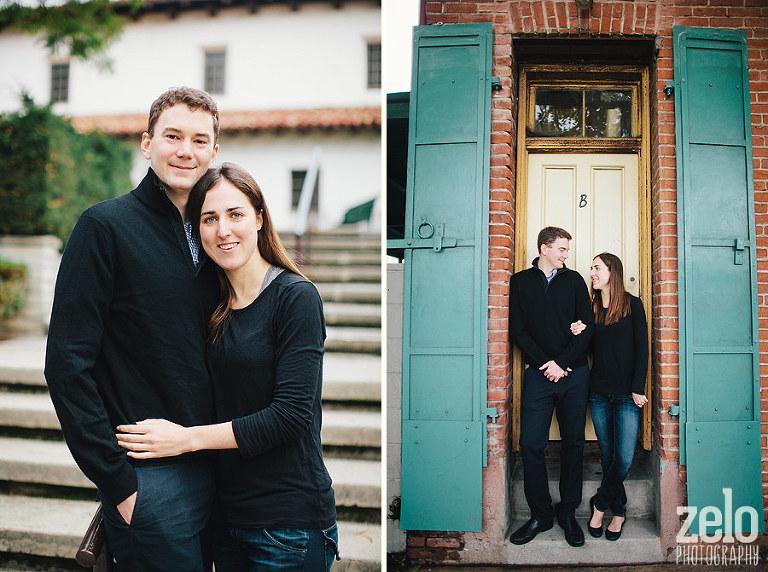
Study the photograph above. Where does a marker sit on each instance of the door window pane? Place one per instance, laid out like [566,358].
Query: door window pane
[558,113]
[608,113]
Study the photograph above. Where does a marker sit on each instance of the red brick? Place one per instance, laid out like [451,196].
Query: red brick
[459,7]
[444,543]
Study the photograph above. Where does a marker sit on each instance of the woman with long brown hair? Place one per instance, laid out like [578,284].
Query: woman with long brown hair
[616,386]
[275,507]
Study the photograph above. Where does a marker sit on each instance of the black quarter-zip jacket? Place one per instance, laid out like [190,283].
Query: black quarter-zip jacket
[127,334]
[541,313]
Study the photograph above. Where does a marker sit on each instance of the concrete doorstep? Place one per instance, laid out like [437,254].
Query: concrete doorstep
[639,543]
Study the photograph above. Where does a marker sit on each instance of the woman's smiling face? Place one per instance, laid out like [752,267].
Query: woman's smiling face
[229,226]
[599,274]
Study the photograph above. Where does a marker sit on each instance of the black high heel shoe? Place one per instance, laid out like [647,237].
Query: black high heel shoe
[595,532]
[610,535]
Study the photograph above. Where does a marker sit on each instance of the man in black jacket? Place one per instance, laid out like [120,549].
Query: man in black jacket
[543,302]
[127,338]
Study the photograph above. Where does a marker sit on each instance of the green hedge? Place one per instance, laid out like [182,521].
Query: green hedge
[50,173]
[13,278]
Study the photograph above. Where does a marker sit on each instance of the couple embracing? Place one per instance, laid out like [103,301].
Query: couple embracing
[180,326]
[555,323]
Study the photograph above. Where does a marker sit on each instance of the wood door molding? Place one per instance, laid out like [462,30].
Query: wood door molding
[583,75]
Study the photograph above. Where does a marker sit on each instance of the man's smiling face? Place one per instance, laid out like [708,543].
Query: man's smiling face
[182,148]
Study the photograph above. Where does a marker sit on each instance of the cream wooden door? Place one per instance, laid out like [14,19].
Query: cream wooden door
[595,198]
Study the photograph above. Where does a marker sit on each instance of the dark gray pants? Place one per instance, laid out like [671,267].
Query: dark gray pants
[168,528]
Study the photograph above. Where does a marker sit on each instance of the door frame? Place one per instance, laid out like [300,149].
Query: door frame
[639,144]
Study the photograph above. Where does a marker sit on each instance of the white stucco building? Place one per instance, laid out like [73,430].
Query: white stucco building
[289,77]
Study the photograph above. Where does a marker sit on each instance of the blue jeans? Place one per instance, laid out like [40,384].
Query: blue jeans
[617,421]
[273,549]
[568,398]
[167,530]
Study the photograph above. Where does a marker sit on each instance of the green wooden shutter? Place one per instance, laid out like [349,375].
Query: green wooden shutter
[719,359]
[445,331]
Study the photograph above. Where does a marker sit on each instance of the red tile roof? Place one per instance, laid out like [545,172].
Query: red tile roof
[328,119]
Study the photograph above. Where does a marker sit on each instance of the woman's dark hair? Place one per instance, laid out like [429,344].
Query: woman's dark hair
[269,244]
[618,306]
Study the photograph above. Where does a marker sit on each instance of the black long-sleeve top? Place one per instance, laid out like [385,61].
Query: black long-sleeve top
[127,334]
[620,360]
[267,372]
[541,313]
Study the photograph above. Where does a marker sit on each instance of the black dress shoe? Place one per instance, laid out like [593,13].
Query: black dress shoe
[610,535]
[528,531]
[573,533]
[594,532]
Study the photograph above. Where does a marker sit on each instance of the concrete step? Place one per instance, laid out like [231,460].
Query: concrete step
[346,376]
[54,527]
[357,292]
[22,360]
[639,543]
[341,241]
[639,487]
[345,314]
[351,377]
[367,273]
[348,339]
[345,427]
[27,410]
[357,483]
[316,257]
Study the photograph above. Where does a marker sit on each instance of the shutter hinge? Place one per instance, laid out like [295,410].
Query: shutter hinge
[496,83]
[492,413]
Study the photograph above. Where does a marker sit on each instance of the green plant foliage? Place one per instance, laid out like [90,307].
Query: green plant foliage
[50,173]
[12,282]
[82,29]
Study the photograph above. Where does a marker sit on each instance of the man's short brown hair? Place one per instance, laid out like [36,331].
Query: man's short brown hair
[192,98]
[550,234]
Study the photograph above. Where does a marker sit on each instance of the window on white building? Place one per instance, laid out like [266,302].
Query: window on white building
[215,70]
[297,183]
[59,82]
[374,64]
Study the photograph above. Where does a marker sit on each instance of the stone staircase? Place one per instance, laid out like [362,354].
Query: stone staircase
[46,503]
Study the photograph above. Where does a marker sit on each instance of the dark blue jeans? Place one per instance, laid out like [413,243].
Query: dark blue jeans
[617,421]
[167,530]
[568,397]
[273,549]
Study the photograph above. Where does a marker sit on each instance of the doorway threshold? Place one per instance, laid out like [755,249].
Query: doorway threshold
[639,542]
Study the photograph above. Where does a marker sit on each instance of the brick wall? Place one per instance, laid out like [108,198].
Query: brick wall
[609,19]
